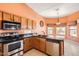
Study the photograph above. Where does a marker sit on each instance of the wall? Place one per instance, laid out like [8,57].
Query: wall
[67,19]
[23,10]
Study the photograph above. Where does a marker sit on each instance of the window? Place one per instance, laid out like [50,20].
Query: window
[50,31]
[60,32]
[73,31]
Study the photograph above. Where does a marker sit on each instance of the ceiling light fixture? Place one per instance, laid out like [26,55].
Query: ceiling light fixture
[58,22]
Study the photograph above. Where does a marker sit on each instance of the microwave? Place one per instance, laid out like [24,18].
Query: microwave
[7,25]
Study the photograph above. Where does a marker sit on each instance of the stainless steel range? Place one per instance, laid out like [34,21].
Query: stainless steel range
[13,48]
[11,44]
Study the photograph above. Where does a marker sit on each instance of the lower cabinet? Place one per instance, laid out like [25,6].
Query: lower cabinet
[49,47]
[27,45]
[1,49]
[52,48]
[30,44]
[35,42]
[42,45]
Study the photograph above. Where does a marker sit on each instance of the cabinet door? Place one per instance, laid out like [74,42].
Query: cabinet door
[11,17]
[6,16]
[0,19]
[30,43]
[36,42]
[24,23]
[1,49]
[52,48]
[26,45]
[42,44]
[29,24]
[17,19]
[0,15]
[33,24]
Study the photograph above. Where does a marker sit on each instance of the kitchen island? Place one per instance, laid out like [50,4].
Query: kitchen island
[50,46]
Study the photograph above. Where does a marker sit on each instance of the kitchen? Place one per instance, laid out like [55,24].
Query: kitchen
[23,30]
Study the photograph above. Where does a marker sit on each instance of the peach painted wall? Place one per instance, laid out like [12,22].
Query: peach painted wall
[51,20]
[23,10]
[66,19]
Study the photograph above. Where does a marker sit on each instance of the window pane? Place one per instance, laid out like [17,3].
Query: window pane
[50,30]
[73,31]
[61,30]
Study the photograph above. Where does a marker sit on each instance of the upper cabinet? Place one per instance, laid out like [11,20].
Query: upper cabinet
[33,24]
[17,19]
[0,18]
[11,17]
[29,24]
[24,23]
[0,15]
[6,16]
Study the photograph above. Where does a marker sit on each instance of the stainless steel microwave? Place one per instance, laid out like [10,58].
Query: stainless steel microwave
[7,25]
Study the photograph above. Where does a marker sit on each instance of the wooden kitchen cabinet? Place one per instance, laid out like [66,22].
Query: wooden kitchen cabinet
[52,48]
[17,19]
[27,45]
[1,49]
[29,24]
[0,19]
[42,44]
[12,17]
[7,16]
[30,44]
[36,43]
[33,24]
[0,15]
[24,23]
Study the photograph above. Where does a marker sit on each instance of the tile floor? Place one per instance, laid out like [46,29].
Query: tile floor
[34,52]
[71,48]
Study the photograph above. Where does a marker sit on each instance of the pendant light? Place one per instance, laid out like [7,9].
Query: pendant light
[57,10]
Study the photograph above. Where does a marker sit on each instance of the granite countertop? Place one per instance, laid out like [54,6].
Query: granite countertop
[9,39]
[50,39]
[4,40]
[57,40]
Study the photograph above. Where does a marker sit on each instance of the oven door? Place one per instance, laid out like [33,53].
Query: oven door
[13,47]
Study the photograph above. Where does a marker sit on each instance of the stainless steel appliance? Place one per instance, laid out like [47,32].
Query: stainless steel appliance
[11,25]
[13,45]
[13,48]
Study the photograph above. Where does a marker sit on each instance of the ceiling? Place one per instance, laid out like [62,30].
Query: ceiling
[48,10]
